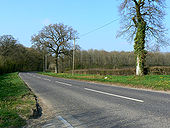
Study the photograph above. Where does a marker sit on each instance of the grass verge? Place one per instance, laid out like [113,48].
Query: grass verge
[16,101]
[155,82]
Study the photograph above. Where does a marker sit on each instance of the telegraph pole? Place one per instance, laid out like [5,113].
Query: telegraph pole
[73,57]
[45,62]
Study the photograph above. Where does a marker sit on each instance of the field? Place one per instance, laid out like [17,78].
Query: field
[16,101]
[155,82]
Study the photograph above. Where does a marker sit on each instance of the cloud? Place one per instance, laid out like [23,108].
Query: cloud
[46,22]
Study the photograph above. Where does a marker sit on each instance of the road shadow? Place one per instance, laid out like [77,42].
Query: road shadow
[37,112]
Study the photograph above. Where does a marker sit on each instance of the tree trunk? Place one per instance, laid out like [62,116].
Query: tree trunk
[139,45]
[139,69]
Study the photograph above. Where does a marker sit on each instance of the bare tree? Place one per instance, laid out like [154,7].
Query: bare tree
[56,37]
[142,20]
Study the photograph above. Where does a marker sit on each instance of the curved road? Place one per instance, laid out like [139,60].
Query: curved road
[80,104]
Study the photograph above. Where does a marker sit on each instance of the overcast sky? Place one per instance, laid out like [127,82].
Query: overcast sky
[23,18]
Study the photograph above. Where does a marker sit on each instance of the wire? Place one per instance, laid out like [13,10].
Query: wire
[99,27]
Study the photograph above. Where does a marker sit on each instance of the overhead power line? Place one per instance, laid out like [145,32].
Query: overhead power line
[99,27]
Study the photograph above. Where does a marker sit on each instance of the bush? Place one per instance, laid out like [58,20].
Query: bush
[159,70]
[162,70]
[125,71]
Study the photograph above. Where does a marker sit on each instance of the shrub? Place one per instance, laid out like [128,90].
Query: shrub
[161,70]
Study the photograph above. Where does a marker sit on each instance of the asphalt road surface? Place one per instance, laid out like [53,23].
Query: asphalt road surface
[79,104]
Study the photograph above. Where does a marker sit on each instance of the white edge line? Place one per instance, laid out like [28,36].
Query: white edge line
[114,95]
[63,83]
[64,122]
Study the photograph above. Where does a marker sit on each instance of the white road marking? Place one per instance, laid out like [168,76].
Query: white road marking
[46,79]
[64,122]
[38,77]
[63,83]
[128,98]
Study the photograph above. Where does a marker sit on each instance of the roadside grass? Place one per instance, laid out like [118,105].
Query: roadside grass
[155,82]
[16,101]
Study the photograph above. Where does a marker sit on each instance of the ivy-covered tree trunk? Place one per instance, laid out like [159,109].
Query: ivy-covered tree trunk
[147,25]
[139,46]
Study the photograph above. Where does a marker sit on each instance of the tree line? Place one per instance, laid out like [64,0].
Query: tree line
[101,59]
[16,57]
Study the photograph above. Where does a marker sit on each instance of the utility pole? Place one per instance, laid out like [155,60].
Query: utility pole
[73,57]
[43,60]
[46,62]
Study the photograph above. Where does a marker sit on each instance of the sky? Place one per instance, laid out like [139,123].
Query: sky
[23,18]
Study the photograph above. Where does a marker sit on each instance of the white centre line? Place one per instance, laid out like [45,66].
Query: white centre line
[65,122]
[63,83]
[128,98]
[46,79]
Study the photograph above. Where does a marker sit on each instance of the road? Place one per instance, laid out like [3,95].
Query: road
[79,104]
